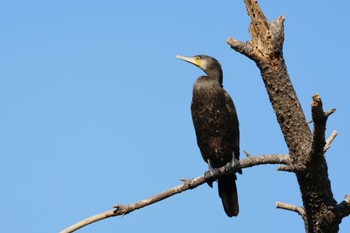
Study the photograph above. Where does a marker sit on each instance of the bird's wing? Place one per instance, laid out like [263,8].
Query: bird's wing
[232,110]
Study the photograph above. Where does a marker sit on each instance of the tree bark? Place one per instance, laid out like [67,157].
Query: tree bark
[320,211]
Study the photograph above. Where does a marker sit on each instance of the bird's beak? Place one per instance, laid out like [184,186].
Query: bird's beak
[193,60]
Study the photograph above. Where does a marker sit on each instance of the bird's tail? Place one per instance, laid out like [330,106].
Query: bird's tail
[228,194]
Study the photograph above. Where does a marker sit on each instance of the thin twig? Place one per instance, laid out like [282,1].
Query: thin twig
[347,198]
[330,112]
[247,153]
[296,209]
[330,140]
[92,219]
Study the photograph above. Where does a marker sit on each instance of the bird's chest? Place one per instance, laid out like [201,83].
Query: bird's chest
[208,109]
[212,123]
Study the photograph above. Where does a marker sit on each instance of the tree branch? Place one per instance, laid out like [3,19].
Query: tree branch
[318,171]
[297,209]
[319,118]
[343,209]
[329,112]
[187,185]
[330,140]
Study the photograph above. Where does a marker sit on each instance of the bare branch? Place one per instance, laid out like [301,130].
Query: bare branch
[265,159]
[319,117]
[296,209]
[87,221]
[330,112]
[187,185]
[241,47]
[286,168]
[330,140]
[347,198]
[342,210]
[247,153]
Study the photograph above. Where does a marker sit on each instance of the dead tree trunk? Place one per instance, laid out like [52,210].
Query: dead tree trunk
[320,211]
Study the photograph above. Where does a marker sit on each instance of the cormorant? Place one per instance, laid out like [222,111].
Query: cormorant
[216,125]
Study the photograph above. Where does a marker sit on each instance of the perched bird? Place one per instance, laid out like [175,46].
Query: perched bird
[216,125]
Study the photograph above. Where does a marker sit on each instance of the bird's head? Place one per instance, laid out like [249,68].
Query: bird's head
[208,64]
[202,61]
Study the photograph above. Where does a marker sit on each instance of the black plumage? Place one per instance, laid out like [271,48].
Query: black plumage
[217,129]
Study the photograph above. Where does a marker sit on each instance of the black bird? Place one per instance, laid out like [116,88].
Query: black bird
[216,124]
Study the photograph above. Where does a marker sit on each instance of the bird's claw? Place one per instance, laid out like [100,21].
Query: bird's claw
[233,166]
[210,176]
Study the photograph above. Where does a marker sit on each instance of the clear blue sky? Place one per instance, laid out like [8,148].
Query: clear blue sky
[95,111]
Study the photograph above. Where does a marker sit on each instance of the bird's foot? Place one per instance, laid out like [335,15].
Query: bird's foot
[233,166]
[210,176]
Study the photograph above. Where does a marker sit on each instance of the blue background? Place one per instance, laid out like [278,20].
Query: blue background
[95,111]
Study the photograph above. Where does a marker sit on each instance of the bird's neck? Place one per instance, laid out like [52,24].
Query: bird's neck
[206,84]
[216,75]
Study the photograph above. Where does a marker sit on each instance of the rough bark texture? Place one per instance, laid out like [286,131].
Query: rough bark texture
[320,211]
